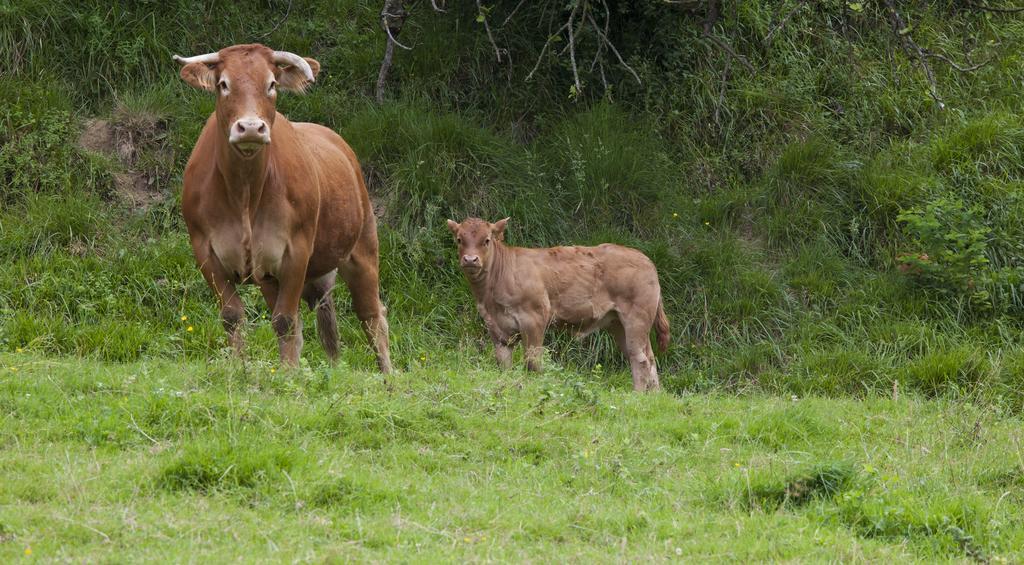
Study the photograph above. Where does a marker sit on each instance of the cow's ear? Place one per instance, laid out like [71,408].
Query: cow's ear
[453,226]
[293,79]
[499,227]
[199,75]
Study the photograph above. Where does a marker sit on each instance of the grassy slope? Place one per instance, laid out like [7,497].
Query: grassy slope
[772,215]
[190,461]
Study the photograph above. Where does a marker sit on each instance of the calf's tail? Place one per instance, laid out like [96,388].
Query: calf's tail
[661,327]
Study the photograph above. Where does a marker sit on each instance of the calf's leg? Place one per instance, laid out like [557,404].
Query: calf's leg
[533,344]
[635,342]
[503,353]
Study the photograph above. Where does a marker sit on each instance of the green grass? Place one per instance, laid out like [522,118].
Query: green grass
[820,226]
[209,461]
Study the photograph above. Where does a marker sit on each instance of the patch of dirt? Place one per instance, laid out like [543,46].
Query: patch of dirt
[136,140]
[97,136]
[136,133]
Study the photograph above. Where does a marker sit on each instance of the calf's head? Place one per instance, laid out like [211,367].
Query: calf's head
[246,79]
[476,239]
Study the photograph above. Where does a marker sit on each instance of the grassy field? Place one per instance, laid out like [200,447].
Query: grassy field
[840,253]
[162,460]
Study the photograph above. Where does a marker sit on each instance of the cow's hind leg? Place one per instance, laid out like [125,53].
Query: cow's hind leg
[317,294]
[360,274]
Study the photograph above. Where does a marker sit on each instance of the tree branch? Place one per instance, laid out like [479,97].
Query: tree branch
[710,19]
[482,17]
[392,15]
[782,23]
[572,50]
[604,37]
[544,50]
[985,8]
[914,52]
[951,63]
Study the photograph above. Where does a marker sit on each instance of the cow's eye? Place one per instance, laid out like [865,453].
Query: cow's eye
[459,240]
[223,85]
[272,88]
[487,241]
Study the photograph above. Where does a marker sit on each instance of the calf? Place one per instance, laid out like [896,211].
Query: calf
[521,291]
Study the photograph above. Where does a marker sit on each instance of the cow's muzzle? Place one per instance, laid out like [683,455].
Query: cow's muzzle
[249,135]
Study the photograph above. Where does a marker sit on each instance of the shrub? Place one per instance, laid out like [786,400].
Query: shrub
[951,248]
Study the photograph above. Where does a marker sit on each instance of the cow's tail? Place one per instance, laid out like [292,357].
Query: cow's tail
[661,327]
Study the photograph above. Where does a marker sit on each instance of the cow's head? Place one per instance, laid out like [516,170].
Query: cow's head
[246,79]
[476,239]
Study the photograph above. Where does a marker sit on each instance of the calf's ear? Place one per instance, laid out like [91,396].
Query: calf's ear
[199,75]
[453,226]
[499,227]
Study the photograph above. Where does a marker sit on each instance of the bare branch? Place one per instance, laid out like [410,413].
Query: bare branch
[512,13]
[483,18]
[782,23]
[385,66]
[544,50]
[572,50]
[387,28]
[441,8]
[603,35]
[281,21]
[951,63]
[710,19]
[393,14]
[914,52]
[985,8]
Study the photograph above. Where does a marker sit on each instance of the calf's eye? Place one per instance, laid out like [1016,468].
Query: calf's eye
[459,240]
[271,88]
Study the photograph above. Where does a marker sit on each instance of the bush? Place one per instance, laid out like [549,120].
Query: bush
[951,255]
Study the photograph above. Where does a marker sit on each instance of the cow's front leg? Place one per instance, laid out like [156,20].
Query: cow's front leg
[284,307]
[232,311]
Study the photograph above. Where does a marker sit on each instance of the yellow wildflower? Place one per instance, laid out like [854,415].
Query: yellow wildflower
[28,551]
[18,350]
[188,329]
[183,318]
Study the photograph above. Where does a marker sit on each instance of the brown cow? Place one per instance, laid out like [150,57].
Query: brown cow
[521,291]
[288,215]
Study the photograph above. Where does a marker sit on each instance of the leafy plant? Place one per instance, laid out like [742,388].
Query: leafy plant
[951,257]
